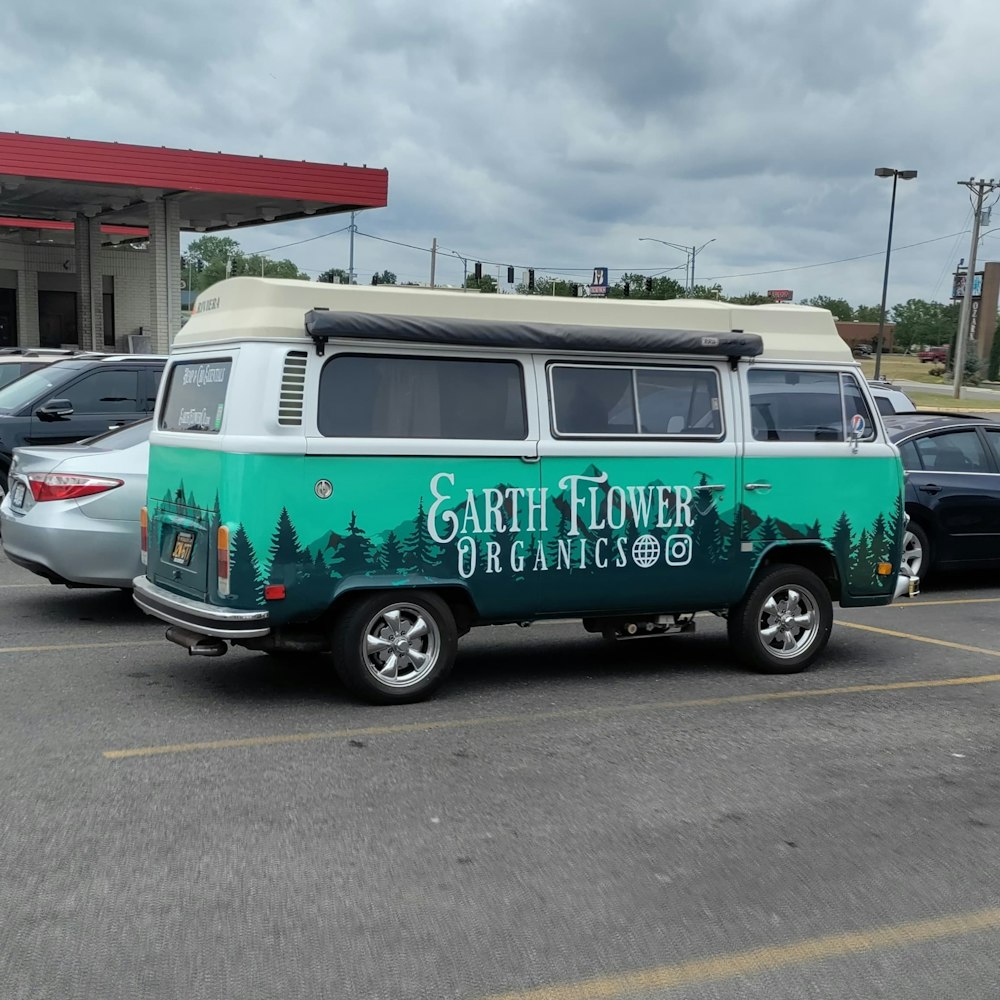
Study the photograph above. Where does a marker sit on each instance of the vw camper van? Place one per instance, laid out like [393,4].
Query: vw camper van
[371,472]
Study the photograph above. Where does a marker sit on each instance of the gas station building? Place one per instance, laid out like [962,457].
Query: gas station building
[90,231]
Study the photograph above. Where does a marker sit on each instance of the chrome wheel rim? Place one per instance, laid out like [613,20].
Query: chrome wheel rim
[789,621]
[400,645]
[913,553]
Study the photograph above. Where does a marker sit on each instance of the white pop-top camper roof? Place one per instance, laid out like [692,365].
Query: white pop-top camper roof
[270,309]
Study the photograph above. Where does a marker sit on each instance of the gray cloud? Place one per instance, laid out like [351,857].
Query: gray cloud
[556,133]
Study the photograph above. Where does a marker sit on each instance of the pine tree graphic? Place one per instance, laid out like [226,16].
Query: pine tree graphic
[355,550]
[285,552]
[390,555]
[419,549]
[245,584]
[842,541]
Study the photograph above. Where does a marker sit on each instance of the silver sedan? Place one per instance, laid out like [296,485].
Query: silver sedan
[71,514]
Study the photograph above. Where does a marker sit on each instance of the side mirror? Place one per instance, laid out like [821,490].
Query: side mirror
[55,409]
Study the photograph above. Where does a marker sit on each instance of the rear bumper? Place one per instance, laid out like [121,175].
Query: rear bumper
[196,616]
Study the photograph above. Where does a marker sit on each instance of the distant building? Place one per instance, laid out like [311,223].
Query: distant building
[865,333]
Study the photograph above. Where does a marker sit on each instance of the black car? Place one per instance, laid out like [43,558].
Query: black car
[952,464]
[75,399]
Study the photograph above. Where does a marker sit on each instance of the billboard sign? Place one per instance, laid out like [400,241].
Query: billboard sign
[958,285]
[599,282]
[780,295]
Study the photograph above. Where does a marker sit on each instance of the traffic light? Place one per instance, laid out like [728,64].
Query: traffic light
[531,279]
[626,288]
[478,271]
[510,276]
[649,286]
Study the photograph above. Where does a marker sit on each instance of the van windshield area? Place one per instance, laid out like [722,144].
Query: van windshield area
[196,396]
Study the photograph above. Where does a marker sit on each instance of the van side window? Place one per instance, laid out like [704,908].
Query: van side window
[626,402]
[380,396]
[804,406]
[854,403]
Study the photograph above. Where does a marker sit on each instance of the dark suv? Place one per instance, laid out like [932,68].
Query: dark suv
[74,399]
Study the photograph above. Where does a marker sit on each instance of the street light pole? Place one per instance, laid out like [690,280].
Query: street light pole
[906,175]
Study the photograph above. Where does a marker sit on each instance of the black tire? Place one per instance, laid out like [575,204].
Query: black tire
[917,550]
[750,620]
[420,639]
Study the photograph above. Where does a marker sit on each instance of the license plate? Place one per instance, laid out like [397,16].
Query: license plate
[17,495]
[183,545]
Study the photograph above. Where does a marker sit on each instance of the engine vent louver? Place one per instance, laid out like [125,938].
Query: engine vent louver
[293,388]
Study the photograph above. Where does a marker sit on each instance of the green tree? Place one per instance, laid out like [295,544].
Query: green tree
[641,286]
[993,367]
[867,314]
[355,549]
[486,284]
[750,299]
[840,308]
[390,556]
[386,278]
[335,276]
[919,323]
[842,541]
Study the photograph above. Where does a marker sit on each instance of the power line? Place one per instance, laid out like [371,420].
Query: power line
[322,236]
[572,271]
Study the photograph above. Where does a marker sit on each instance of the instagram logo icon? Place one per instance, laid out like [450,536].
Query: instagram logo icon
[678,550]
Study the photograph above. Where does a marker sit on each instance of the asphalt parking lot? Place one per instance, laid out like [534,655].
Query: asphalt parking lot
[567,819]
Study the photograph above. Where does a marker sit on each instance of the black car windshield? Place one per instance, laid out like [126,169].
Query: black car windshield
[18,394]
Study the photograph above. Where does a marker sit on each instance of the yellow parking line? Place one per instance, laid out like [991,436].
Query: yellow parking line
[921,638]
[964,600]
[529,717]
[761,960]
[65,647]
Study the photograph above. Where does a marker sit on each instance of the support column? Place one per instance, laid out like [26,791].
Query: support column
[986,318]
[89,285]
[164,273]
[28,333]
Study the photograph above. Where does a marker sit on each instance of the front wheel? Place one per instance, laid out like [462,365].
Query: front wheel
[916,550]
[784,622]
[394,647]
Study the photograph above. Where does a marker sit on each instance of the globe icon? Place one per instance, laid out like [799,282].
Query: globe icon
[645,551]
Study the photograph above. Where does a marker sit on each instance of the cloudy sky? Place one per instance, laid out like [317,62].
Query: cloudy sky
[554,134]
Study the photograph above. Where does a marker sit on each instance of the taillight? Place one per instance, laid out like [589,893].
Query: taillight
[144,536]
[63,486]
[222,559]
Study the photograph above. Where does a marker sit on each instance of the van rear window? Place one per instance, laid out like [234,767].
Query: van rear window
[196,396]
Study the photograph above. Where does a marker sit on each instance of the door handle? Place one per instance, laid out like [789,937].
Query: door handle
[757,486]
[931,488]
[710,488]
[114,427]
[529,458]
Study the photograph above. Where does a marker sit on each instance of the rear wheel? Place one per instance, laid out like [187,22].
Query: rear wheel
[784,622]
[393,647]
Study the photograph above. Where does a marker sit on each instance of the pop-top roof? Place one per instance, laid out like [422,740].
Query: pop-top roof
[245,308]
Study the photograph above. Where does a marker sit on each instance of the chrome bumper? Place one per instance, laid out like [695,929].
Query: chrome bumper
[196,616]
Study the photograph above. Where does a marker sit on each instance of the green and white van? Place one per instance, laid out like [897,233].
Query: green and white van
[371,472]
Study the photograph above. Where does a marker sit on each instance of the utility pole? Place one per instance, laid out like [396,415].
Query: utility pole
[350,268]
[980,189]
[434,254]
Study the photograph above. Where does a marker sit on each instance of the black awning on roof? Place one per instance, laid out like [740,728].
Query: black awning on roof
[323,325]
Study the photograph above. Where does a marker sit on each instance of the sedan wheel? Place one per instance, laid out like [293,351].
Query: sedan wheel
[916,550]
